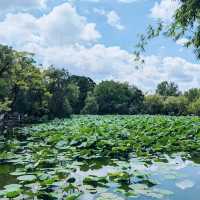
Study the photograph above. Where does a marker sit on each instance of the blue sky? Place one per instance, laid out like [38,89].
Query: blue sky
[96,38]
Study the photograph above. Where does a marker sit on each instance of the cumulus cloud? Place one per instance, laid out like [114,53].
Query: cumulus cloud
[62,26]
[104,63]
[113,19]
[21,4]
[164,9]
[64,38]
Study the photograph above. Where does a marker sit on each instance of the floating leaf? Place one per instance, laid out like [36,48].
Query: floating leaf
[27,178]
[109,196]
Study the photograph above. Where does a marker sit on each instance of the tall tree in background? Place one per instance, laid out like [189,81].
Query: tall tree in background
[73,93]
[91,105]
[192,94]
[21,83]
[57,82]
[85,85]
[29,93]
[136,100]
[117,98]
[7,61]
[167,89]
[153,104]
[175,105]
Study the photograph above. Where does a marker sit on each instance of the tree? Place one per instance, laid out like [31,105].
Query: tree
[117,98]
[136,100]
[31,94]
[73,93]
[91,105]
[85,85]
[22,87]
[110,97]
[167,89]
[175,105]
[7,59]
[192,94]
[5,106]
[194,107]
[28,92]
[153,104]
[57,82]
[184,24]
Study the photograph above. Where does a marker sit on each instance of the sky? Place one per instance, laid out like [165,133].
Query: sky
[96,38]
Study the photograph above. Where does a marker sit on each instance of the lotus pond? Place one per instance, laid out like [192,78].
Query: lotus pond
[103,158]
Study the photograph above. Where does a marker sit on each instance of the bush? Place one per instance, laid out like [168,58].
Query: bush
[194,107]
[175,105]
[153,104]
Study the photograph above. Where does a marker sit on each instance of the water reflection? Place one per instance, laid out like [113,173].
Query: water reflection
[5,177]
[176,178]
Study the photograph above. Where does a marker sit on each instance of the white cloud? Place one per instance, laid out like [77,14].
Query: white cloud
[102,63]
[127,1]
[113,19]
[164,9]
[21,4]
[66,39]
[62,26]
[182,41]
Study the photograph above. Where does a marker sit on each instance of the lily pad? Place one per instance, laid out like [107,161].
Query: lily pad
[109,196]
[27,178]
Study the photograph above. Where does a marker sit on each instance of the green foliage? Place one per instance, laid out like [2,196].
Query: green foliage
[91,105]
[85,85]
[117,98]
[32,93]
[73,93]
[194,107]
[153,104]
[136,100]
[175,105]
[5,106]
[184,24]
[57,83]
[192,94]
[167,89]
[7,59]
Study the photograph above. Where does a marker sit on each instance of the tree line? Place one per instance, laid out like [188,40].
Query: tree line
[39,93]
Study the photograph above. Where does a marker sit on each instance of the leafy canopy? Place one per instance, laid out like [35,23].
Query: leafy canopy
[185,24]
